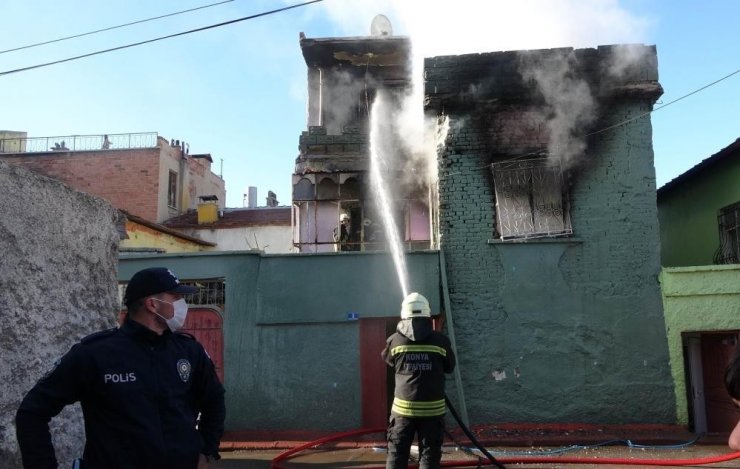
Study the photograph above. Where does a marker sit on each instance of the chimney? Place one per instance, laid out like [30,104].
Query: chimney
[252,197]
[207,209]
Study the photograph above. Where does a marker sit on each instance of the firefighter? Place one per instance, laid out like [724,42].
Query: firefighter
[150,396]
[420,357]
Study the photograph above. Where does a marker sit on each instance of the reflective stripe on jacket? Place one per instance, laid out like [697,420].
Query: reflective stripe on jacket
[420,357]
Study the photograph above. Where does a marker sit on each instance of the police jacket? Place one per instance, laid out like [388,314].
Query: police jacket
[140,393]
[420,356]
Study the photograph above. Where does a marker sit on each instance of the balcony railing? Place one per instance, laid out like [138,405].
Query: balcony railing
[79,143]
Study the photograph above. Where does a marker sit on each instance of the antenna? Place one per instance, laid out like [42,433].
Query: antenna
[381,26]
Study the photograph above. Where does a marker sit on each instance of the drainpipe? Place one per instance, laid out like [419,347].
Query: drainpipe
[451,328]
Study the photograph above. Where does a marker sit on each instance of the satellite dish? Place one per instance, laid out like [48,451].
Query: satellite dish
[381,26]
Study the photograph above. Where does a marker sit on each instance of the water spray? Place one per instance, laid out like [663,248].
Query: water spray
[380,156]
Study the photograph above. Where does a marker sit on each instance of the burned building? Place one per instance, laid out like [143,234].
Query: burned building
[331,181]
[547,260]
[549,228]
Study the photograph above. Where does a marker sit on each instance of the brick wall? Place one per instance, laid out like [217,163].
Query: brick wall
[128,179]
[559,329]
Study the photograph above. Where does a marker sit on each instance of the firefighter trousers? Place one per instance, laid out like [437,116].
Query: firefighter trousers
[401,432]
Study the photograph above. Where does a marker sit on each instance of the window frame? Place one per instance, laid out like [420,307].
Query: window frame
[537,184]
[728,226]
[172,187]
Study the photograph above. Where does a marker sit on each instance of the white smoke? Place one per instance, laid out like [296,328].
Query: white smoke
[347,100]
[571,105]
[468,26]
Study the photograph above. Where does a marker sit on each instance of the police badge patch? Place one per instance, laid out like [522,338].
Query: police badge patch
[183,369]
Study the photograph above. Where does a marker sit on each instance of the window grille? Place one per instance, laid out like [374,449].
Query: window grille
[211,292]
[531,201]
[728,222]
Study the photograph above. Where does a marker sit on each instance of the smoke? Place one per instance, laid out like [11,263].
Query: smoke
[439,27]
[347,100]
[572,107]
[624,60]
[468,26]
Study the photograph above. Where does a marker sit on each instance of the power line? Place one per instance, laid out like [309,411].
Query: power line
[619,124]
[664,105]
[225,23]
[112,27]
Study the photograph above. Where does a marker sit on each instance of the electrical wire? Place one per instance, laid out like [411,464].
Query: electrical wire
[218,25]
[29,46]
[664,105]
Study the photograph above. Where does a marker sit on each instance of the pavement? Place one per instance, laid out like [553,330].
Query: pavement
[562,445]
[511,434]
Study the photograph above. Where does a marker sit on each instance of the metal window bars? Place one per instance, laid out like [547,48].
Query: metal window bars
[728,222]
[531,201]
[211,292]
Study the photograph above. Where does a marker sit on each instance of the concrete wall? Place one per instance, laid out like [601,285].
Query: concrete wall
[688,212]
[292,358]
[561,329]
[58,284]
[270,239]
[144,237]
[697,299]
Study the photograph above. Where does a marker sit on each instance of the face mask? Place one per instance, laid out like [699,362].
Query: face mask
[177,320]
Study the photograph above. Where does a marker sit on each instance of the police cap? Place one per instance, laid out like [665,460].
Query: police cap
[152,281]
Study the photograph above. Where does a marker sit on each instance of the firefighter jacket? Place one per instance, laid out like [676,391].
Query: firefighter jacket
[141,395]
[420,357]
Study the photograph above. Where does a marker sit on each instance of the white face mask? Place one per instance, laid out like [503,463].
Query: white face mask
[177,320]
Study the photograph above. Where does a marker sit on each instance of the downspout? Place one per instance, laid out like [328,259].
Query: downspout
[451,328]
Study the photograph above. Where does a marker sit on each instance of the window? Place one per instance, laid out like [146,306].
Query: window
[728,221]
[211,292]
[530,199]
[172,190]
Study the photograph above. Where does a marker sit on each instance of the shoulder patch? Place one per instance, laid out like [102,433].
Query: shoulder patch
[99,335]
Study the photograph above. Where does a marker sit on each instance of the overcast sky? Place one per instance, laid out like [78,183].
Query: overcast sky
[238,92]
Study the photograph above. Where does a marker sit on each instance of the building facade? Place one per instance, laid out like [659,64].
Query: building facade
[699,212]
[143,174]
[333,172]
[549,228]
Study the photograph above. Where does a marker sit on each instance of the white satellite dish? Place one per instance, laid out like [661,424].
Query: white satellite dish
[381,26]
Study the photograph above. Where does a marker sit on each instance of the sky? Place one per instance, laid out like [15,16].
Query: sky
[238,91]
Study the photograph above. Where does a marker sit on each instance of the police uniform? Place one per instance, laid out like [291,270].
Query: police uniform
[420,357]
[142,396]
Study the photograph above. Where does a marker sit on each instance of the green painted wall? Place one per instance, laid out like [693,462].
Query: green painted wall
[291,355]
[688,214]
[567,330]
[697,299]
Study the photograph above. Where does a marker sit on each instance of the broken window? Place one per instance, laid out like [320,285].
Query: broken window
[729,235]
[172,190]
[531,200]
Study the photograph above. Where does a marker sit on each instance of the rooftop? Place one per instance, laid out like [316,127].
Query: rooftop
[235,218]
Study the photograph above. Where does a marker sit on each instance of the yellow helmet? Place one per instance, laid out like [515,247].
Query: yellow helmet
[415,306]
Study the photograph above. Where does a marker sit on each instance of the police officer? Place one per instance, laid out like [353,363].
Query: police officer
[420,357]
[150,396]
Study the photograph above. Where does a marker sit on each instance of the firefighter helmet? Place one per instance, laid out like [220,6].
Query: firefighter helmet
[415,306]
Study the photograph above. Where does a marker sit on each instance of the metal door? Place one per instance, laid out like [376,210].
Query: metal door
[206,325]
[716,351]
